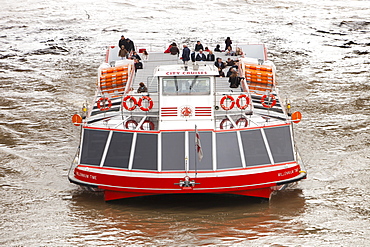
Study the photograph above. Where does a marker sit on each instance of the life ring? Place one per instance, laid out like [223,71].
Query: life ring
[150,101]
[225,124]
[247,101]
[131,124]
[104,101]
[147,123]
[129,98]
[271,96]
[240,121]
[223,100]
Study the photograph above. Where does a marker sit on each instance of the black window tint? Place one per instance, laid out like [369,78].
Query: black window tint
[228,155]
[146,152]
[206,143]
[119,150]
[280,143]
[93,146]
[255,151]
[173,151]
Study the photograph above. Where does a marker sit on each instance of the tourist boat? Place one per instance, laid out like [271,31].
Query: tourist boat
[190,132]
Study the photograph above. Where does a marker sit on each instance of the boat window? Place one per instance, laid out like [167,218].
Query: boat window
[186,85]
[173,151]
[255,151]
[118,154]
[93,146]
[206,142]
[146,152]
[228,154]
[280,143]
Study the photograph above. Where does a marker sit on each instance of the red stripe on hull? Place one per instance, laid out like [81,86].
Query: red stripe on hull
[257,184]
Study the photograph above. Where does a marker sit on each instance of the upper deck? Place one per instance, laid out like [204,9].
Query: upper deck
[180,96]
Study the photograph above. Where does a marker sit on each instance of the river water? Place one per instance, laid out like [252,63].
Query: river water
[49,54]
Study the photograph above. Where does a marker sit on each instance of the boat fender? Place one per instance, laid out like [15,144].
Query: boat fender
[147,123]
[131,124]
[242,121]
[102,104]
[247,101]
[129,98]
[272,97]
[225,123]
[222,101]
[150,101]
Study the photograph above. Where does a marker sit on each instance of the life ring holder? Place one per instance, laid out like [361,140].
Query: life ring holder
[266,105]
[104,107]
[222,101]
[129,122]
[150,101]
[150,123]
[131,98]
[241,120]
[247,101]
[226,120]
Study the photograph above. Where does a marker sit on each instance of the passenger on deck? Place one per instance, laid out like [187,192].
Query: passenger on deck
[185,54]
[234,80]
[130,45]
[142,88]
[219,63]
[123,52]
[238,51]
[122,42]
[174,50]
[198,46]
[168,49]
[206,49]
[201,56]
[228,43]
[229,52]
[210,56]
[145,55]
[230,62]
[231,70]
[217,49]
[137,64]
[135,55]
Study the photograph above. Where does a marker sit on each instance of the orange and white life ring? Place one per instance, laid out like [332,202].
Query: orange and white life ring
[271,97]
[226,124]
[102,104]
[150,102]
[239,99]
[131,124]
[222,101]
[240,122]
[129,98]
[77,120]
[147,125]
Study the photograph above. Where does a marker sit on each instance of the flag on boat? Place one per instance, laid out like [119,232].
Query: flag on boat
[198,146]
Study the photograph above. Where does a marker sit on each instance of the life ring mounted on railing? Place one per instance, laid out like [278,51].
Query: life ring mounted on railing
[147,125]
[270,97]
[240,98]
[129,98]
[226,124]
[229,98]
[150,102]
[131,124]
[102,104]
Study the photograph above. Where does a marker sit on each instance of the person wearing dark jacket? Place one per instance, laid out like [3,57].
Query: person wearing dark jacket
[201,56]
[137,64]
[219,63]
[198,46]
[228,43]
[217,49]
[130,45]
[122,42]
[185,54]
[210,56]
[142,88]
[174,50]
[234,80]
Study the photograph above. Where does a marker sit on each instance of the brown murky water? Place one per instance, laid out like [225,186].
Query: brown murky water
[49,53]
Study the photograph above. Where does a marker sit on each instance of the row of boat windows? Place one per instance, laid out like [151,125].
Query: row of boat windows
[185,85]
[228,154]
